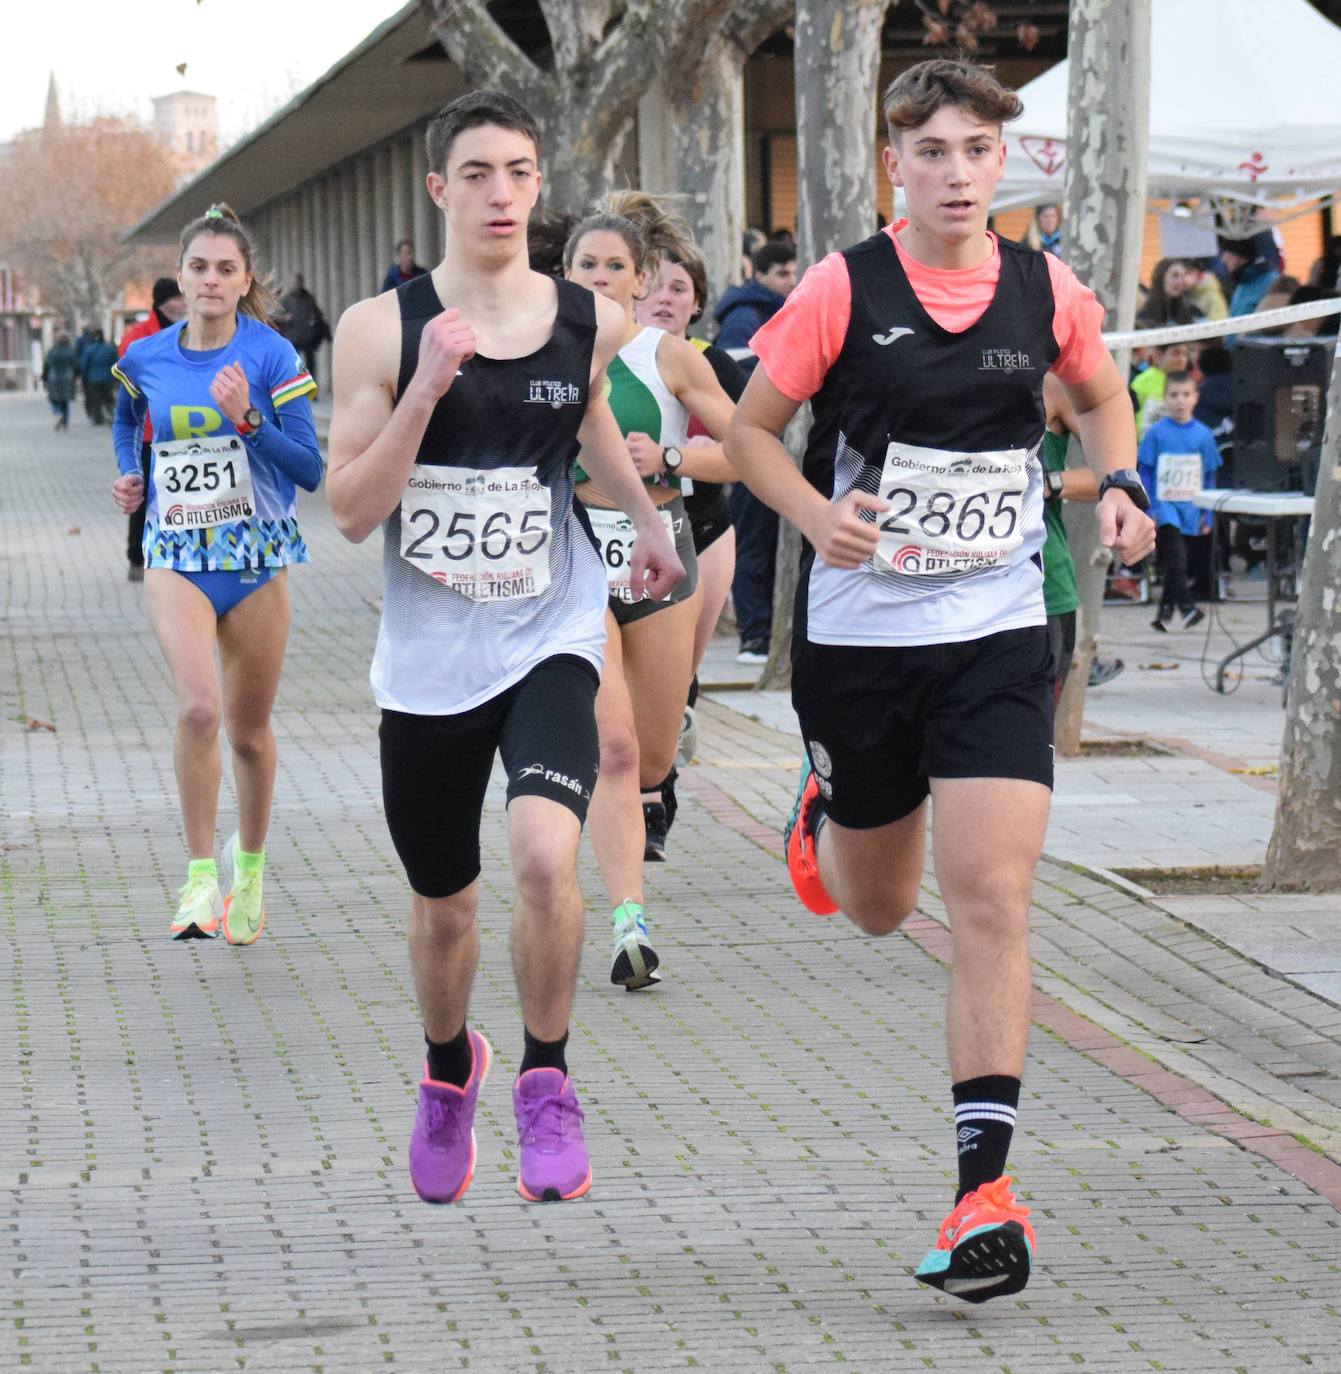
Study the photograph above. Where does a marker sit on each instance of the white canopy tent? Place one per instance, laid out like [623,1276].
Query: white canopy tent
[1243,111]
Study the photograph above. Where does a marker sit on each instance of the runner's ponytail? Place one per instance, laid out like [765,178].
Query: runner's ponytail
[260,301]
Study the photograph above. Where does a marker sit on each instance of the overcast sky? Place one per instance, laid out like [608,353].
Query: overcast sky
[110,57]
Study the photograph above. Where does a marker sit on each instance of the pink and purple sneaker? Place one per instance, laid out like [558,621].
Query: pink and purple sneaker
[442,1144]
[554,1163]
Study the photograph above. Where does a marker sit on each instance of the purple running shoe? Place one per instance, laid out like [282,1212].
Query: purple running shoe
[554,1163]
[442,1144]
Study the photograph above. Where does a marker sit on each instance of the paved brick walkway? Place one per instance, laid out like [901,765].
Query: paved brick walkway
[202,1148]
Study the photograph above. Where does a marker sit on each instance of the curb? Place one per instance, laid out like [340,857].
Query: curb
[1182,1096]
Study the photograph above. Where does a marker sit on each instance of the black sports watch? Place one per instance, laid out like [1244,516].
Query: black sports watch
[672,457]
[1128,480]
[1054,481]
[252,420]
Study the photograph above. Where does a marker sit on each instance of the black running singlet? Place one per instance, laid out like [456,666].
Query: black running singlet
[486,567]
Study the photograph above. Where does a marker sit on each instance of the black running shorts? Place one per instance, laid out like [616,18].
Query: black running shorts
[435,769]
[709,514]
[1062,640]
[878,723]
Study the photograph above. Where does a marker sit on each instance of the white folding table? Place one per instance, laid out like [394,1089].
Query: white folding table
[1271,507]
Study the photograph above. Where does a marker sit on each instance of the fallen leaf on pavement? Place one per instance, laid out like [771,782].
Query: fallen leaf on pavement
[35,724]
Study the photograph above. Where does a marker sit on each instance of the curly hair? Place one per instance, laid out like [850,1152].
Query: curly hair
[916,94]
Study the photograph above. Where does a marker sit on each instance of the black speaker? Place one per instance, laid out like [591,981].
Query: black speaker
[1280,409]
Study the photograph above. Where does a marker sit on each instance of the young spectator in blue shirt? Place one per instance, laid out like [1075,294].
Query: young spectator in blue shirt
[1177,458]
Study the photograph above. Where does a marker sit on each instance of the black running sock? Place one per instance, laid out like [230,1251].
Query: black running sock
[984,1122]
[693,692]
[543,1054]
[450,1061]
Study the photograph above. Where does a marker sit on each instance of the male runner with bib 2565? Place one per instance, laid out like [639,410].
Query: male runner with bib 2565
[461,399]
[921,658]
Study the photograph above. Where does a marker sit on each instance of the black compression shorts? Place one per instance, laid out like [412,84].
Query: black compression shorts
[435,769]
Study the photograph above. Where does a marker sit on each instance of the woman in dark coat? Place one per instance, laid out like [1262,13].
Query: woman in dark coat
[58,376]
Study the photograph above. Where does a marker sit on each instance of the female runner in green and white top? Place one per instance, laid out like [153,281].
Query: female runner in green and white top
[655,383]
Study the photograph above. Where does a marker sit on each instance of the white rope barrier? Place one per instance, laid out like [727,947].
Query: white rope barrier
[1193,333]
[1214,329]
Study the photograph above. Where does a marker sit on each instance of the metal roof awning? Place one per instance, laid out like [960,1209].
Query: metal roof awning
[396,76]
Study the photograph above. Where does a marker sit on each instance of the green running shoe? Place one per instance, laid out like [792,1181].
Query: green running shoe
[243,909]
[635,961]
[199,909]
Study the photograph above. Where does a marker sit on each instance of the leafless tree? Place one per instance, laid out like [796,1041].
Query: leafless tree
[1107,136]
[837,79]
[67,194]
[585,88]
[1305,848]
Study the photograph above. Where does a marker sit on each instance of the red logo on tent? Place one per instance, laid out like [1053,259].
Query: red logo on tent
[1048,154]
[1254,166]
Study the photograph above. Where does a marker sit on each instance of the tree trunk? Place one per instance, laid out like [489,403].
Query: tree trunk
[691,144]
[691,132]
[837,70]
[586,101]
[1305,848]
[1104,216]
[837,75]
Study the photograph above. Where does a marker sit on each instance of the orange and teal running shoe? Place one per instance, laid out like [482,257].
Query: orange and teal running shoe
[985,1248]
[799,837]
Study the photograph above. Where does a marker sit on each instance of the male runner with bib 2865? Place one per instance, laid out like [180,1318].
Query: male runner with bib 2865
[921,659]
[461,399]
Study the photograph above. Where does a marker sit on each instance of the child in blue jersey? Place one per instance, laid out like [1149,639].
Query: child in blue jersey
[227,401]
[1177,458]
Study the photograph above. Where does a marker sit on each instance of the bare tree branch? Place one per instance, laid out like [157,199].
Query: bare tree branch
[752,21]
[687,50]
[575,29]
[605,57]
[472,39]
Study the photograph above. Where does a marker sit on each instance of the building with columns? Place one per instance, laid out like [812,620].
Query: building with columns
[331,183]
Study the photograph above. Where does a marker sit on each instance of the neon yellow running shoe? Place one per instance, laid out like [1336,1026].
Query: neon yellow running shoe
[243,909]
[199,909]
[635,962]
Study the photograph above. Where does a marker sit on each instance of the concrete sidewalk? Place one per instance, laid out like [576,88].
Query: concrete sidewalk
[202,1148]
[1199,791]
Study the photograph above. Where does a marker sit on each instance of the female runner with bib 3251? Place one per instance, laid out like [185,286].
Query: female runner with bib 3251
[227,400]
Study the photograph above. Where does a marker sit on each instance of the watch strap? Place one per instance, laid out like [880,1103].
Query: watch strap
[1128,480]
